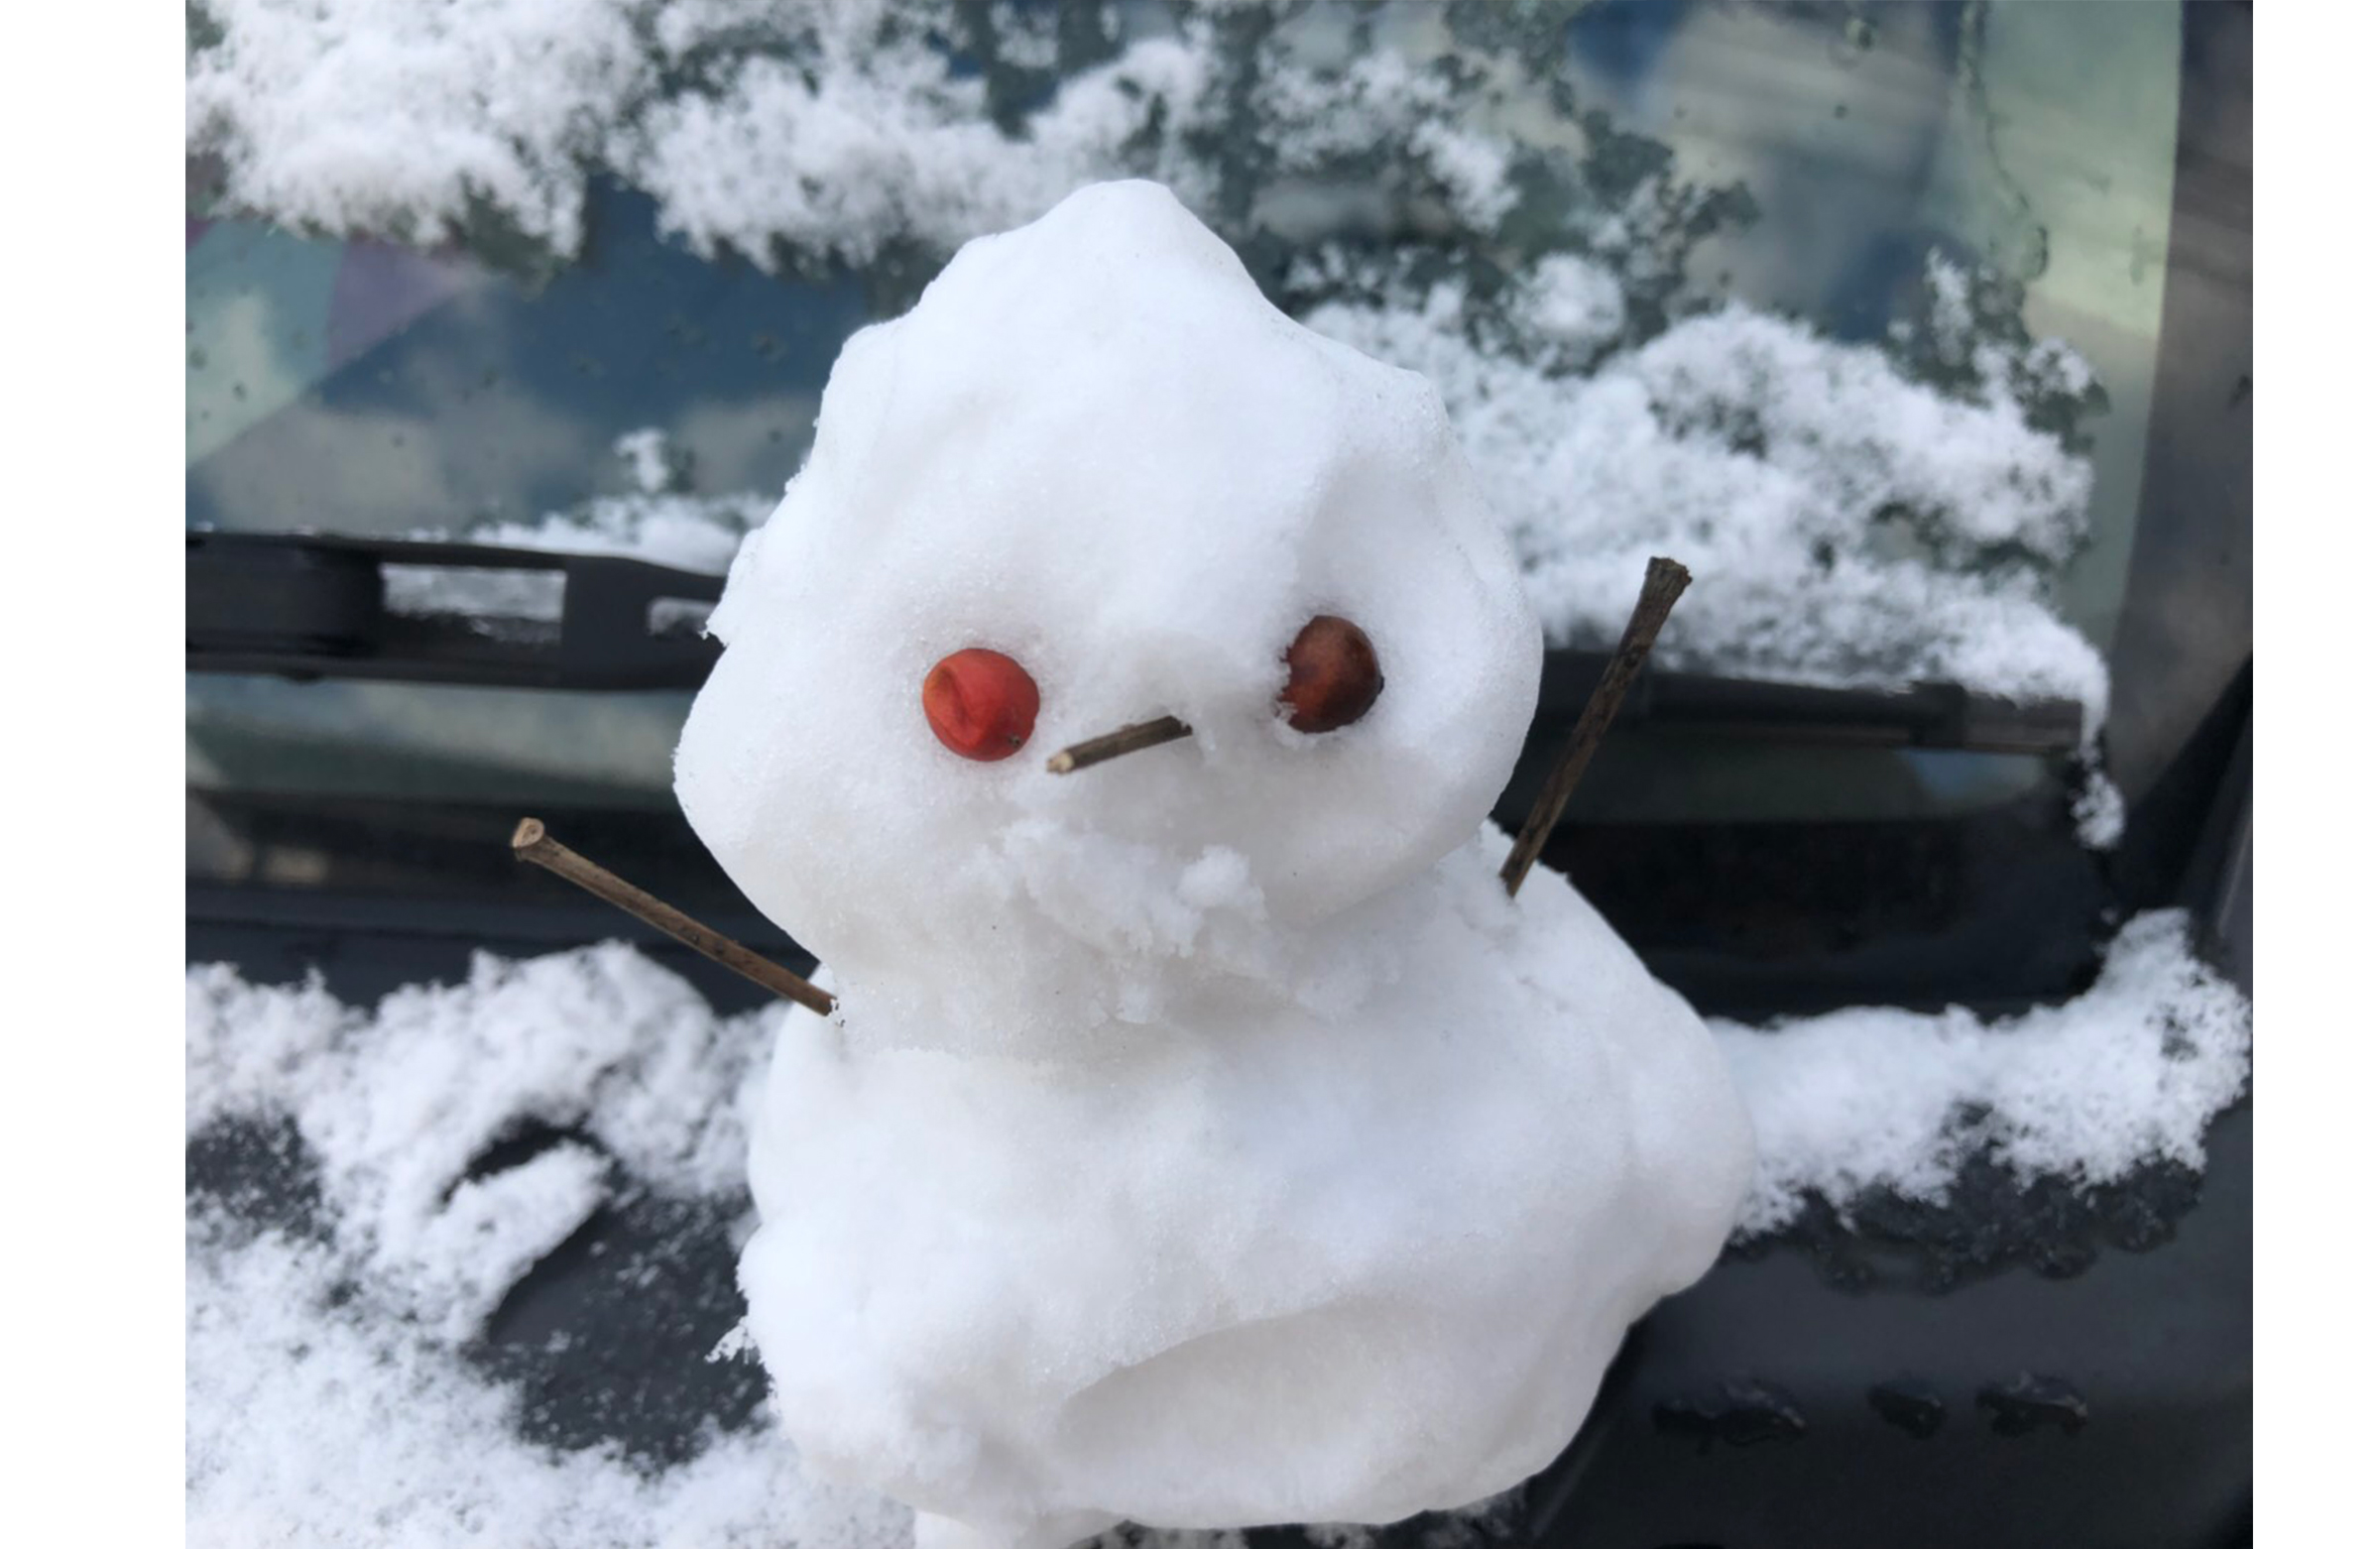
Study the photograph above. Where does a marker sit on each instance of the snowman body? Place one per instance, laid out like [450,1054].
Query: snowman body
[1206,1138]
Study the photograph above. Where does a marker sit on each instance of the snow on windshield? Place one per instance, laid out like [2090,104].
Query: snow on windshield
[1857,514]
[329,1378]
[1771,462]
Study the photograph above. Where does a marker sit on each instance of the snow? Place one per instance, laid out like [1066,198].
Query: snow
[1134,575]
[405,118]
[1854,520]
[397,1104]
[1572,303]
[329,1398]
[2099,807]
[821,129]
[1096,1199]
[2130,1071]
[320,1418]
[875,139]
[1837,515]
[1143,1144]
[325,1414]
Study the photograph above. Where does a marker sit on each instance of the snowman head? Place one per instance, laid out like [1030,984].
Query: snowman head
[1095,449]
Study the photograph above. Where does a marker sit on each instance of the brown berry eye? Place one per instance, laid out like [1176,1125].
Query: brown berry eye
[981,703]
[1334,675]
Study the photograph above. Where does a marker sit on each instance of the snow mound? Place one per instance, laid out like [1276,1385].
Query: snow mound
[1104,1195]
[1095,447]
[1278,1268]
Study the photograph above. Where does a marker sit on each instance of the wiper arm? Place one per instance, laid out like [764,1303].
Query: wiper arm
[308,606]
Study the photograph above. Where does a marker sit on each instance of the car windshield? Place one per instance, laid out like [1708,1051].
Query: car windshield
[1854,310]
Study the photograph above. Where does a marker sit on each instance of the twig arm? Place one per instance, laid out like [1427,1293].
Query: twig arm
[531,843]
[1665,581]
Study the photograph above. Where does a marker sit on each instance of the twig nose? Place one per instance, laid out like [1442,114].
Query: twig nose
[1118,743]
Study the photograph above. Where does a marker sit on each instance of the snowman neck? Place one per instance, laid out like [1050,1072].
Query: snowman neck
[1055,990]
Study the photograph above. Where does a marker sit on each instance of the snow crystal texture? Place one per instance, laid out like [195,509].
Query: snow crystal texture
[2131,1071]
[1853,523]
[409,117]
[329,1402]
[1203,1139]
[1834,513]
[329,1397]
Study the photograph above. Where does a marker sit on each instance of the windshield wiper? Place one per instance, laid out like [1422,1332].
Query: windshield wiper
[312,606]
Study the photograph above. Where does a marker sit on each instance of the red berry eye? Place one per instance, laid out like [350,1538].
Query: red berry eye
[1334,674]
[981,703]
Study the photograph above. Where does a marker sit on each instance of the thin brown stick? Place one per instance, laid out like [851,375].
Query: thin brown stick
[530,841]
[1665,581]
[1118,743]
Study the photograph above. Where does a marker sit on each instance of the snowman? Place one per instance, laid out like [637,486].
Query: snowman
[1202,1137]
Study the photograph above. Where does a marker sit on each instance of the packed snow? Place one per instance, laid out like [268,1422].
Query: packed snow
[1148,1041]
[325,1414]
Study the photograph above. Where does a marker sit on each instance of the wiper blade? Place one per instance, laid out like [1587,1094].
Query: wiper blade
[310,606]
[1920,715]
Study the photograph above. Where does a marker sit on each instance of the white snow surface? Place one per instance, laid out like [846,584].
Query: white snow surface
[400,116]
[1148,1045]
[2130,1071]
[1833,511]
[398,1103]
[824,128]
[1279,1266]
[328,1400]
[324,1420]
[1093,446]
[875,139]
[318,1420]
